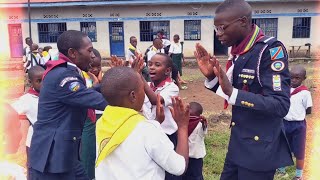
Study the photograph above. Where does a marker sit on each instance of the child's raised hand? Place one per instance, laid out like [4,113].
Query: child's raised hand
[180,112]
[138,63]
[115,61]
[205,61]
[160,111]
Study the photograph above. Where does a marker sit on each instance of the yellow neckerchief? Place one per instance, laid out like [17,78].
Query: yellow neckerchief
[114,126]
[132,47]
[87,78]
[45,53]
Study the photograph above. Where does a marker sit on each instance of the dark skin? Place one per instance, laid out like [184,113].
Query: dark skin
[29,42]
[236,28]
[158,44]
[134,42]
[96,66]
[298,75]
[82,57]
[36,80]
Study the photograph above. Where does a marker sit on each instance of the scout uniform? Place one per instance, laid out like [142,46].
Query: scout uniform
[64,101]
[260,99]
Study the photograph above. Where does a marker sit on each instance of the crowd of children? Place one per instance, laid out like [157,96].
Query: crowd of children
[146,131]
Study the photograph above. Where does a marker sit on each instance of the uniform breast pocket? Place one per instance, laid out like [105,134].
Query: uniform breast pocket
[251,137]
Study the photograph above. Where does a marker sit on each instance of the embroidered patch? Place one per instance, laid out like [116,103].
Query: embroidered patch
[67,79]
[277,66]
[74,86]
[276,83]
[251,71]
[276,53]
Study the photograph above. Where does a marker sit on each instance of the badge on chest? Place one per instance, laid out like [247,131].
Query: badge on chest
[246,78]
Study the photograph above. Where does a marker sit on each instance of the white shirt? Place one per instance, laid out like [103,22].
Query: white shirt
[175,48]
[197,148]
[298,105]
[170,89]
[27,105]
[153,51]
[37,58]
[166,42]
[145,155]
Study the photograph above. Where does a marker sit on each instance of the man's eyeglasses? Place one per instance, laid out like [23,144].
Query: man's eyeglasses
[220,29]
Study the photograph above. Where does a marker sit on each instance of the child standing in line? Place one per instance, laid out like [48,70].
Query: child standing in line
[196,130]
[28,103]
[176,53]
[294,122]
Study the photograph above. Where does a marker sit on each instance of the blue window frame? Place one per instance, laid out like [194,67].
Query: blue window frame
[192,30]
[149,29]
[49,32]
[89,28]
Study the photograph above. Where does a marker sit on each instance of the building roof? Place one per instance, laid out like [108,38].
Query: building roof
[61,3]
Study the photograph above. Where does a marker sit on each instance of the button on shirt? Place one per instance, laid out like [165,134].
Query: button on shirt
[27,105]
[145,155]
[298,105]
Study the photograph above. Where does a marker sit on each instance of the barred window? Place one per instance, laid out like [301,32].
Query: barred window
[301,27]
[89,28]
[149,29]
[49,32]
[268,25]
[192,30]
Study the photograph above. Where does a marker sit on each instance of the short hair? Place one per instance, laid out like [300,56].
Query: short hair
[70,39]
[177,35]
[47,48]
[299,69]
[96,53]
[156,39]
[168,60]
[34,70]
[196,108]
[27,38]
[132,37]
[117,83]
[235,6]
[161,32]
[34,47]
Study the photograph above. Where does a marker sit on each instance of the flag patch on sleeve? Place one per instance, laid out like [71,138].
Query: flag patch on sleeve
[276,53]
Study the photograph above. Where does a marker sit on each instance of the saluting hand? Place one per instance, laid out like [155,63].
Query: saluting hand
[205,62]
[224,82]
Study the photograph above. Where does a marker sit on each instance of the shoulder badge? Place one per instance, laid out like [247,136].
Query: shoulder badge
[277,66]
[276,82]
[276,53]
[74,86]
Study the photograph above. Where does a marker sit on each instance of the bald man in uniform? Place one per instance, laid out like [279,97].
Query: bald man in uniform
[257,85]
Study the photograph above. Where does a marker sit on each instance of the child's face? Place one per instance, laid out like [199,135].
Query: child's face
[96,66]
[176,39]
[40,50]
[296,78]
[36,81]
[158,68]
[134,42]
[158,44]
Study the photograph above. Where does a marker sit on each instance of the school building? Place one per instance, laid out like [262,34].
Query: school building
[110,24]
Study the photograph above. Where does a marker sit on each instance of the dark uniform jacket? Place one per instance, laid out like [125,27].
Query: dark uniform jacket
[63,104]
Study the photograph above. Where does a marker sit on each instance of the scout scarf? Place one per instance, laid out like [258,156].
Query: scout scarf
[236,50]
[298,89]
[114,126]
[154,88]
[52,64]
[33,92]
[132,48]
[88,82]
[194,121]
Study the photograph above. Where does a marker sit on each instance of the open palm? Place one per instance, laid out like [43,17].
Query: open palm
[205,61]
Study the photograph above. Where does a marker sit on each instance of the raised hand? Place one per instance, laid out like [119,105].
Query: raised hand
[205,61]
[159,111]
[115,61]
[224,82]
[180,112]
[138,63]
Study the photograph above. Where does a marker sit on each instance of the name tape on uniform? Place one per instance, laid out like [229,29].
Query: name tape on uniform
[251,71]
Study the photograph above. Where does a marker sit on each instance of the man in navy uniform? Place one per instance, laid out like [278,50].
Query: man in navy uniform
[63,104]
[257,85]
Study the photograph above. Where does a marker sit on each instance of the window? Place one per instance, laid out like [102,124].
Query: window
[192,30]
[301,27]
[149,29]
[49,32]
[268,25]
[89,28]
